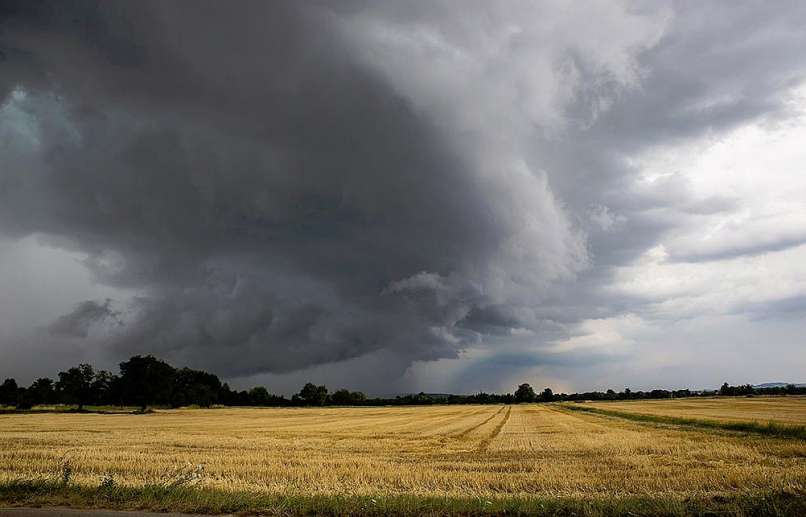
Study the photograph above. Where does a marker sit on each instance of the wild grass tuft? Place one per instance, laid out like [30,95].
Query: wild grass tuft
[162,498]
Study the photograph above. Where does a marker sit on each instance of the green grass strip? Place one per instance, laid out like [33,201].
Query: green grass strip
[768,428]
[207,501]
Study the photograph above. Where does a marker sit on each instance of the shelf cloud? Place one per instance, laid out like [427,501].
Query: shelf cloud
[280,189]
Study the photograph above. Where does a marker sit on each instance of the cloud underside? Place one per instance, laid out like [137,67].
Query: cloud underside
[272,187]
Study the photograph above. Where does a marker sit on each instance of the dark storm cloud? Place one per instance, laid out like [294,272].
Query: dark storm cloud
[276,202]
[292,184]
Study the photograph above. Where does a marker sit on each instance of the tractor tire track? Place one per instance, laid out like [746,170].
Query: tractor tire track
[485,443]
[473,428]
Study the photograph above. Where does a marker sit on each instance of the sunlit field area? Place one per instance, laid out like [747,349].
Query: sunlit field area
[490,453]
[784,410]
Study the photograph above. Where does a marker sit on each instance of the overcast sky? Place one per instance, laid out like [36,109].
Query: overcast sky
[395,196]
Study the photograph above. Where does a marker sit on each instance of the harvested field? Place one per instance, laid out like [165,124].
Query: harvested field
[496,452]
[783,410]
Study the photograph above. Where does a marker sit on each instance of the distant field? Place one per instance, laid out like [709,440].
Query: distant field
[68,408]
[785,410]
[482,455]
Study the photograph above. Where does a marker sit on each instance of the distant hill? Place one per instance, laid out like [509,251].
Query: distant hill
[777,385]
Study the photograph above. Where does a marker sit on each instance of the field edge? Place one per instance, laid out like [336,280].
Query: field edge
[156,498]
[770,428]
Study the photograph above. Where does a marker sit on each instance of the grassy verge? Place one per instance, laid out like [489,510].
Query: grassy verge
[769,428]
[207,501]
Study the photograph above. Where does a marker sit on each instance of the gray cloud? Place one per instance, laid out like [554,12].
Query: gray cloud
[264,191]
[289,185]
[78,323]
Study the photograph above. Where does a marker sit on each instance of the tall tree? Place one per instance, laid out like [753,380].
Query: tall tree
[313,395]
[8,393]
[357,397]
[195,387]
[103,387]
[344,397]
[547,395]
[259,396]
[25,399]
[524,393]
[42,391]
[146,381]
[75,385]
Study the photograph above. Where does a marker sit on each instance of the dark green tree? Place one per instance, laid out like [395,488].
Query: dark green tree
[146,381]
[75,385]
[345,397]
[358,397]
[103,387]
[313,395]
[259,396]
[421,398]
[8,393]
[42,391]
[525,393]
[25,399]
[195,387]
[726,390]
[227,395]
[547,395]
[341,397]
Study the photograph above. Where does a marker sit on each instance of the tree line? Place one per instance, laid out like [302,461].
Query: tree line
[145,381]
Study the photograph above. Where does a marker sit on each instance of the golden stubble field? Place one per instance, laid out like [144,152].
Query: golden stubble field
[786,410]
[486,451]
